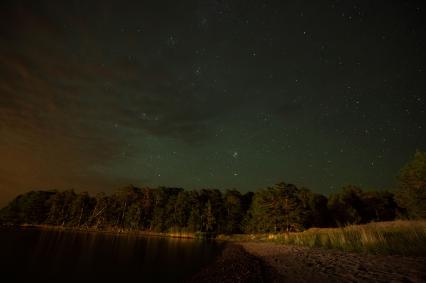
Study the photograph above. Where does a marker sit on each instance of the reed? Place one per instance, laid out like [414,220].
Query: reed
[395,237]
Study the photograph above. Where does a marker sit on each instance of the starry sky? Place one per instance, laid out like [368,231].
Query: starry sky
[95,95]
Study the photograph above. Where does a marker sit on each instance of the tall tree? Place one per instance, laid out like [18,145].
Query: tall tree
[32,208]
[346,205]
[275,209]
[379,206]
[316,210]
[61,207]
[234,211]
[195,214]
[80,209]
[99,215]
[412,186]
[182,210]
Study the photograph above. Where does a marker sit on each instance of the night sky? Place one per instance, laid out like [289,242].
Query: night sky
[209,94]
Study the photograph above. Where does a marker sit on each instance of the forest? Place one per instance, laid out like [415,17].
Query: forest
[279,208]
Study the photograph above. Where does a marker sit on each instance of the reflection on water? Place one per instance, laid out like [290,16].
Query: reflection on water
[58,256]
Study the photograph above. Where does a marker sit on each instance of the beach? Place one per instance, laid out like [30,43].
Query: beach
[269,262]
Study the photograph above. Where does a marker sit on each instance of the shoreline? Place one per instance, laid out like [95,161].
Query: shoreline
[271,262]
[304,264]
[118,232]
[236,264]
[261,261]
[404,238]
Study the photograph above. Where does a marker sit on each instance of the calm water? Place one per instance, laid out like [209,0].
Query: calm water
[53,256]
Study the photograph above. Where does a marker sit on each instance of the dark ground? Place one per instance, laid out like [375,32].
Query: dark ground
[269,262]
[235,264]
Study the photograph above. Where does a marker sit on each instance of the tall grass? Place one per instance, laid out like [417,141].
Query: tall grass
[396,237]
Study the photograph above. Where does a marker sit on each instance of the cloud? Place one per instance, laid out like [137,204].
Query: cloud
[61,98]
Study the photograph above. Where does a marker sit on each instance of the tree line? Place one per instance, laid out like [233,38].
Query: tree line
[282,207]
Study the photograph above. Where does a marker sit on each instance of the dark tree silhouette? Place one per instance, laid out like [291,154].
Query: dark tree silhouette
[412,186]
[280,208]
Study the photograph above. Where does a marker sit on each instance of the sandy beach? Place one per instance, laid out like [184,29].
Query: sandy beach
[268,262]
[235,264]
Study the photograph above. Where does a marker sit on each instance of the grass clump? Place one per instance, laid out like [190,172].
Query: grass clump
[397,237]
[387,238]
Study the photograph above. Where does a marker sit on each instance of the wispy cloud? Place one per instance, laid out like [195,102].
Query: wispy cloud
[61,101]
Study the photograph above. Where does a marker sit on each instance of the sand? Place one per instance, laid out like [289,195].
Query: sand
[235,264]
[301,264]
[268,262]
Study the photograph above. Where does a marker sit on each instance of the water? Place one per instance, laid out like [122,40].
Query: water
[31,255]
